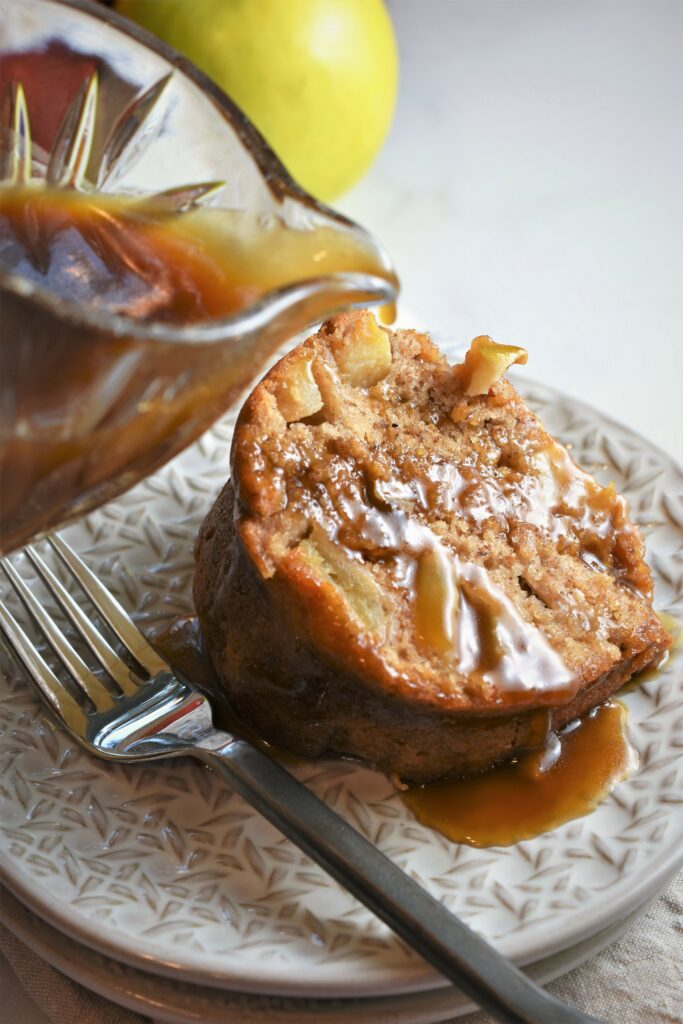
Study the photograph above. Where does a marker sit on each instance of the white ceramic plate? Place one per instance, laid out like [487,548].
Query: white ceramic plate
[162,866]
[177,1002]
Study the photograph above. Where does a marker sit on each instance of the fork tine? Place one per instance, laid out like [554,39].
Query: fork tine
[52,688]
[107,657]
[70,658]
[110,609]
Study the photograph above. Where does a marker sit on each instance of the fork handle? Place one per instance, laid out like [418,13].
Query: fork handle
[422,922]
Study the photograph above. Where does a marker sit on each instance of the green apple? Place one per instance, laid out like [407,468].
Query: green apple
[317,77]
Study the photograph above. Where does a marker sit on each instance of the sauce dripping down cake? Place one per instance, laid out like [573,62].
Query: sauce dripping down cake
[407,568]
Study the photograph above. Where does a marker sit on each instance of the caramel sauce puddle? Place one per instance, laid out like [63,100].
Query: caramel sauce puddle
[521,799]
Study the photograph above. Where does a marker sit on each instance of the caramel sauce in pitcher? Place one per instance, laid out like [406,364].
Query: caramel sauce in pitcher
[87,406]
[143,260]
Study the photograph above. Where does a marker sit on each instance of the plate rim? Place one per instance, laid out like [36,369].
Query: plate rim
[408,979]
[49,946]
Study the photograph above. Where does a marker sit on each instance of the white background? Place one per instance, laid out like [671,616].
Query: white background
[532,188]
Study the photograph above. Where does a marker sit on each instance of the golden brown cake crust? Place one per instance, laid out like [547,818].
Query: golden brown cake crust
[321,655]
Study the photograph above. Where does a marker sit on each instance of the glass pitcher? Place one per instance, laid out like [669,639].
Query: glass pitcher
[92,401]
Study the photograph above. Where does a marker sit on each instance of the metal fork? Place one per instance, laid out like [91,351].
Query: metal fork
[153,713]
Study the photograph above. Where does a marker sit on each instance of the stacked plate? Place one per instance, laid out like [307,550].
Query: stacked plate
[158,887]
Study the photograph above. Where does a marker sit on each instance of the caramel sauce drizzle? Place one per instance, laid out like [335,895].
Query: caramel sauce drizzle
[460,612]
[497,644]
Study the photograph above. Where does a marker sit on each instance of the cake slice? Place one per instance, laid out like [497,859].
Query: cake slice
[406,567]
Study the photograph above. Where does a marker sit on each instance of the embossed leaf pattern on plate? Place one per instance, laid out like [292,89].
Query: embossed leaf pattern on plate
[165,863]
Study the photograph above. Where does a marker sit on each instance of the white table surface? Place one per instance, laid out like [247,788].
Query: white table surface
[531,189]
